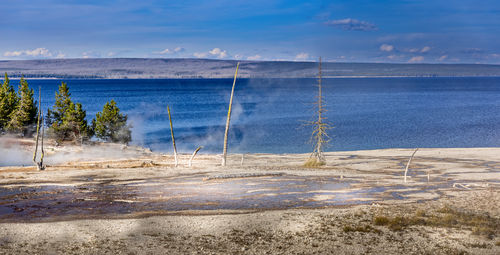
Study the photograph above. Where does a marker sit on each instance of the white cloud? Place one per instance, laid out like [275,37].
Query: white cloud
[38,52]
[351,25]
[256,57]
[425,49]
[416,59]
[170,51]
[386,47]
[61,55]
[200,54]
[91,54]
[214,53]
[165,51]
[302,56]
[442,58]
[12,53]
[217,52]
[392,57]
[421,50]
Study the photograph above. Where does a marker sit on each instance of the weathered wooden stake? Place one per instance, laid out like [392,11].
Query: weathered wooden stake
[224,154]
[194,154]
[173,138]
[409,161]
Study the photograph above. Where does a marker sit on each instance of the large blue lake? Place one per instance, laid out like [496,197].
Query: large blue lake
[268,114]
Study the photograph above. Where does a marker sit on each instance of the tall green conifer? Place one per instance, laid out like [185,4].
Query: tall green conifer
[23,118]
[66,120]
[111,125]
[8,102]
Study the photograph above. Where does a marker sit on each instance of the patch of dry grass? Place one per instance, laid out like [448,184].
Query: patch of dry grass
[313,162]
[448,217]
[364,229]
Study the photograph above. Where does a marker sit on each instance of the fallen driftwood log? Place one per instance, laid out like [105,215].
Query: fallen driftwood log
[409,161]
[194,154]
[456,185]
[243,175]
[469,185]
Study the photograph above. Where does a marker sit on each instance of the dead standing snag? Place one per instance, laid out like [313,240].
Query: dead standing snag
[173,138]
[224,154]
[39,165]
[319,136]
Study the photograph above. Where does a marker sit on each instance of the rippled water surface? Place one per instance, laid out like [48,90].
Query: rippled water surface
[268,114]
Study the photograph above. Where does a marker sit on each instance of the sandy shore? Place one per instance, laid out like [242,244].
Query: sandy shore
[356,203]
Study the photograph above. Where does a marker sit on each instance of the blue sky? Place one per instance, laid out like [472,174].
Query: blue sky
[399,31]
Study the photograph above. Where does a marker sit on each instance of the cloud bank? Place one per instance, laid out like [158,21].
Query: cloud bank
[170,51]
[352,25]
[386,47]
[38,52]
[214,53]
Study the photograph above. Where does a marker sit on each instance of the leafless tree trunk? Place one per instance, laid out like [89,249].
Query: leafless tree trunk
[409,161]
[320,126]
[194,154]
[37,125]
[173,138]
[320,131]
[224,154]
[39,165]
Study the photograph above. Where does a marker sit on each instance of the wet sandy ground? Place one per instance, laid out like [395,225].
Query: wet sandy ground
[126,190]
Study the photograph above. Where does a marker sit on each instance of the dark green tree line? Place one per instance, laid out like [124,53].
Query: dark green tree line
[17,111]
[66,120]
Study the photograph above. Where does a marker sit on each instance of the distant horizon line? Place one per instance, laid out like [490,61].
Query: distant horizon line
[246,61]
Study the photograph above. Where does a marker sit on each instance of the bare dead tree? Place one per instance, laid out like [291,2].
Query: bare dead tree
[194,154]
[173,138]
[39,165]
[224,153]
[409,161]
[319,135]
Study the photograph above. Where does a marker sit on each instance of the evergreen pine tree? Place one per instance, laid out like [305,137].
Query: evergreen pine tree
[111,125]
[8,102]
[23,118]
[66,120]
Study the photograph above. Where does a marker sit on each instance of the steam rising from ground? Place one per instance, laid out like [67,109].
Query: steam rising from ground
[17,152]
[13,154]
